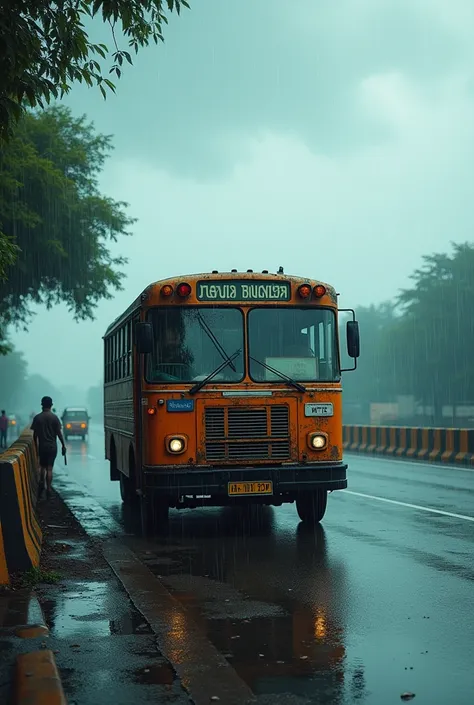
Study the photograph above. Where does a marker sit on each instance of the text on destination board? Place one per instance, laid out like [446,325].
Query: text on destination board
[243,291]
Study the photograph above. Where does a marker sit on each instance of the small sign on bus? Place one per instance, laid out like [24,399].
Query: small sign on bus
[180,405]
[318,410]
[243,291]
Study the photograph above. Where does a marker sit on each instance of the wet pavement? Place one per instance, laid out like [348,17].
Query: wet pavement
[104,649]
[375,603]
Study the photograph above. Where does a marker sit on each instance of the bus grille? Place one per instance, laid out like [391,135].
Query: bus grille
[247,433]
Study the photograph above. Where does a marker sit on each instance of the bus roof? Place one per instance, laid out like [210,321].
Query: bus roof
[218,276]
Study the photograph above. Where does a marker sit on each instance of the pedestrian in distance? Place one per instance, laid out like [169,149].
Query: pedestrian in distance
[3,429]
[46,429]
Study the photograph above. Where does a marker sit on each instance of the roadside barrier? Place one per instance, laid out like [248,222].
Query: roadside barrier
[20,533]
[434,445]
[37,680]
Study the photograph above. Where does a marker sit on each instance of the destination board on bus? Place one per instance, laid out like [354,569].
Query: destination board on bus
[243,290]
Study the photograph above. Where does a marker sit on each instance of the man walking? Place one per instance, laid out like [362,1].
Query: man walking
[46,429]
[3,429]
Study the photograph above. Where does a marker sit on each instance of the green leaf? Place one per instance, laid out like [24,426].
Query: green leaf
[46,46]
[109,84]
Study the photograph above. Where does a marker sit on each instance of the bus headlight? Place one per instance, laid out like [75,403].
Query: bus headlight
[176,444]
[317,441]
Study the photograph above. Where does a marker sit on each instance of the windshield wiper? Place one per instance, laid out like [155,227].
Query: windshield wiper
[199,385]
[220,349]
[293,383]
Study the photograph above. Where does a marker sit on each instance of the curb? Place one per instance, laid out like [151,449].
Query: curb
[159,608]
[204,672]
[37,680]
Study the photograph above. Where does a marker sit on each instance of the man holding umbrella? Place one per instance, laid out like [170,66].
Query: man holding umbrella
[46,428]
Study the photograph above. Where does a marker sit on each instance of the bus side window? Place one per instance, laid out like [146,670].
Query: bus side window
[123,353]
[109,360]
[106,361]
[128,349]
[114,357]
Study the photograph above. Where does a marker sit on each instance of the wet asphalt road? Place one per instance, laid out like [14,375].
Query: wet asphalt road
[378,602]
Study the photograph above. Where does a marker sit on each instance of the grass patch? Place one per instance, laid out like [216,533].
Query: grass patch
[37,575]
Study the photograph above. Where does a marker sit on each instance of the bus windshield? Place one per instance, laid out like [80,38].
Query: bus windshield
[299,342]
[189,343]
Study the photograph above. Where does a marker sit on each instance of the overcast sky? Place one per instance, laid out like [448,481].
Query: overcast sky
[333,137]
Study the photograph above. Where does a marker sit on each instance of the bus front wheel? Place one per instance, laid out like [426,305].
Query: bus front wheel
[127,489]
[311,507]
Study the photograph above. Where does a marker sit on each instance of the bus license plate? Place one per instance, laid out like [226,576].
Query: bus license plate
[240,488]
[318,410]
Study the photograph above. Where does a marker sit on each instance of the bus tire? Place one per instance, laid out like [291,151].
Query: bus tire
[311,507]
[114,471]
[127,489]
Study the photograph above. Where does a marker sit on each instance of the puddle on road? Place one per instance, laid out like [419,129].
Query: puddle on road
[86,611]
[265,599]
[275,649]
[19,609]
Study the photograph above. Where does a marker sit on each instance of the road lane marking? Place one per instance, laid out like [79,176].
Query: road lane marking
[410,506]
[403,461]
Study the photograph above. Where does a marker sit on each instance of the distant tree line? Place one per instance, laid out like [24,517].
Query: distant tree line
[21,392]
[422,343]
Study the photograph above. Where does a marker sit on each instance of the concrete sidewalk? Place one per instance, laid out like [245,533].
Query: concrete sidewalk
[104,650]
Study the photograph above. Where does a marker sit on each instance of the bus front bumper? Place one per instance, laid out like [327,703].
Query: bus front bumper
[288,482]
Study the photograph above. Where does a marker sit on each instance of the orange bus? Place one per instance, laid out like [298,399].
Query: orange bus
[225,388]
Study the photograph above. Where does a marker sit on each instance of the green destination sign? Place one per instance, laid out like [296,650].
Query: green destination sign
[246,290]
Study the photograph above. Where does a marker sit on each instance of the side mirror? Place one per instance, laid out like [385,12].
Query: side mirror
[144,337]
[353,339]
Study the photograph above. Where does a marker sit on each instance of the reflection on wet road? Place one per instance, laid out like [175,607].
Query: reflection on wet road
[375,603]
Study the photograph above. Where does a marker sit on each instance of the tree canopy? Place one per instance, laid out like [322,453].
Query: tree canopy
[45,47]
[52,211]
[438,319]
[422,344]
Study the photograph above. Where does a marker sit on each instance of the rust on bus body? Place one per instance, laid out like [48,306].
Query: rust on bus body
[163,424]
[261,433]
